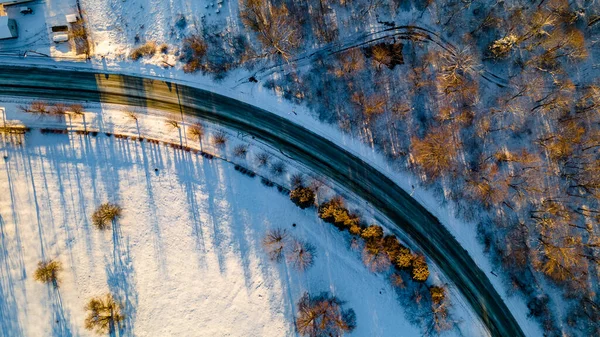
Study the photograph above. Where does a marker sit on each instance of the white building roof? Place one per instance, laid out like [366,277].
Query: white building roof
[5,32]
[71,18]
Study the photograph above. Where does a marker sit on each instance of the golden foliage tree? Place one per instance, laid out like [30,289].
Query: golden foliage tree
[47,272]
[104,315]
[436,152]
[105,214]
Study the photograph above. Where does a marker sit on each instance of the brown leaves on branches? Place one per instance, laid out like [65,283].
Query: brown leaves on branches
[435,153]
[47,272]
[104,315]
[105,215]
[323,316]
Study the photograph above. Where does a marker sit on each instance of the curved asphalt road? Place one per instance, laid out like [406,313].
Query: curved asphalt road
[301,144]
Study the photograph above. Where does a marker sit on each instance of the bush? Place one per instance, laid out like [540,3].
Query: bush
[47,272]
[193,53]
[105,215]
[420,270]
[303,197]
[145,50]
[438,294]
[355,229]
[301,255]
[275,243]
[391,246]
[333,211]
[104,315]
[372,233]
[323,316]
[404,259]
[400,256]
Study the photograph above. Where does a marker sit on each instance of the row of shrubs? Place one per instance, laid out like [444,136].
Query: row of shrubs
[381,250]
[244,170]
[148,49]
[54,131]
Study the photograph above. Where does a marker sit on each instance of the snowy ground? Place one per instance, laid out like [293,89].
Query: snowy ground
[188,258]
[35,30]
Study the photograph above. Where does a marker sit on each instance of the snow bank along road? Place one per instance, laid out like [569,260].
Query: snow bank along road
[301,144]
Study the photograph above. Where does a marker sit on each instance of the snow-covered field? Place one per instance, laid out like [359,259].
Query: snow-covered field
[197,219]
[186,257]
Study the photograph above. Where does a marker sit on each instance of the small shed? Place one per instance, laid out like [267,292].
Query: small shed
[8,28]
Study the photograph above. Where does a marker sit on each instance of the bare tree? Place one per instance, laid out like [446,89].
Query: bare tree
[219,139]
[240,151]
[277,30]
[173,124]
[132,115]
[76,109]
[263,159]
[276,243]
[38,106]
[58,109]
[301,255]
[278,168]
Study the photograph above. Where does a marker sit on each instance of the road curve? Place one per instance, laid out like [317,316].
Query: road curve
[301,144]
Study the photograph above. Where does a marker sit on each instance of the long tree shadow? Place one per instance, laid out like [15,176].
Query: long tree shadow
[18,254]
[240,231]
[10,324]
[154,161]
[61,325]
[185,164]
[121,280]
[219,214]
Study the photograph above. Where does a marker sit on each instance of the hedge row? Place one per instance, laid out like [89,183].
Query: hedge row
[335,212]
